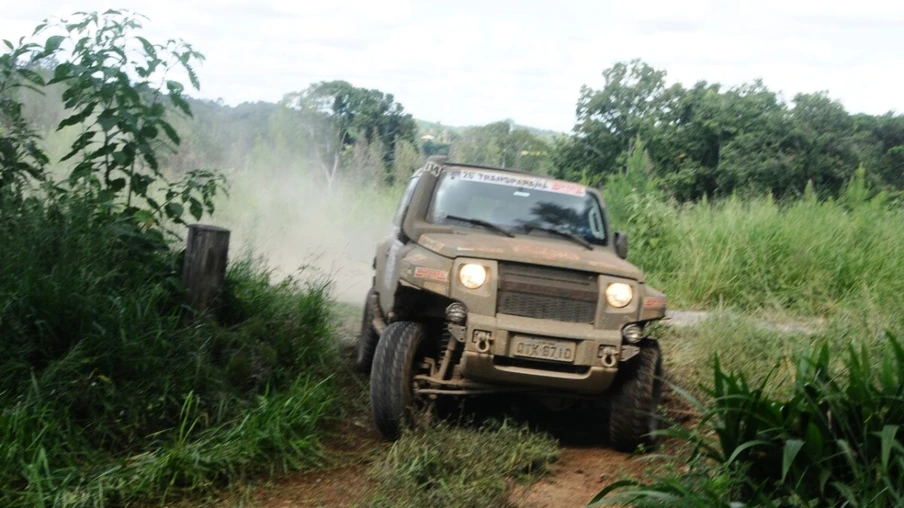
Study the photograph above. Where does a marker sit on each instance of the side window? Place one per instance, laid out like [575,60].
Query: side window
[596,223]
[403,203]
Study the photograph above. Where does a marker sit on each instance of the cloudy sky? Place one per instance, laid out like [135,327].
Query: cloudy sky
[465,62]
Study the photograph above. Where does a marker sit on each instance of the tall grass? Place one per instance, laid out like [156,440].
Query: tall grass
[111,391]
[806,413]
[808,256]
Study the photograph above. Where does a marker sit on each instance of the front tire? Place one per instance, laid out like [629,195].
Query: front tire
[391,387]
[367,338]
[632,414]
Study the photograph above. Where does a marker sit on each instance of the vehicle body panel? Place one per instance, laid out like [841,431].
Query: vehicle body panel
[534,249]
[418,257]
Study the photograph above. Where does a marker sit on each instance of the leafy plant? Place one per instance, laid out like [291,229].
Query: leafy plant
[22,161]
[108,393]
[837,439]
[114,93]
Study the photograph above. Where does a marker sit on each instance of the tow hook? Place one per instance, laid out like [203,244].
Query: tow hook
[608,356]
[484,340]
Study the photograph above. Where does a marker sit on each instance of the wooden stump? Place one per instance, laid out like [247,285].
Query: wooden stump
[204,271]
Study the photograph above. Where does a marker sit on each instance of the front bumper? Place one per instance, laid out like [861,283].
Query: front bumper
[489,354]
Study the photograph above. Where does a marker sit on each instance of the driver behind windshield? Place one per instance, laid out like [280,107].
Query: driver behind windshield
[516,209]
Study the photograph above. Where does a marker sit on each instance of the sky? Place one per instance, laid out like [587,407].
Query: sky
[464,62]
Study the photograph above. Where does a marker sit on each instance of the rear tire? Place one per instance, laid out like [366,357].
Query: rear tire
[632,414]
[391,386]
[367,338]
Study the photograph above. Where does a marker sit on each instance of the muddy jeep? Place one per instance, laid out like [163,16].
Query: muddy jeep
[495,280]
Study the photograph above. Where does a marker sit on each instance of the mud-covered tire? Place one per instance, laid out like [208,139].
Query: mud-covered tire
[635,400]
[367,338]
[391,389]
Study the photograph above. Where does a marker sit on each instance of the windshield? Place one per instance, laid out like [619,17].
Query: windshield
[519,203]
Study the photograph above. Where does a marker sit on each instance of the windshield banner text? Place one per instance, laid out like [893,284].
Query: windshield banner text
[524,181]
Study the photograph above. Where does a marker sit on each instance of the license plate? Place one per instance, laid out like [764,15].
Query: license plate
[544,349]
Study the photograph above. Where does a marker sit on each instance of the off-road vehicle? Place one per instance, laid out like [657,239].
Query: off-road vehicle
[494,280]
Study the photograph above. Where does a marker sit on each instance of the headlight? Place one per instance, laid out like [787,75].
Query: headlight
[619,295]
[472,276]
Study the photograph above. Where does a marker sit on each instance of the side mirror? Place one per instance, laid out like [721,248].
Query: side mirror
[621,244]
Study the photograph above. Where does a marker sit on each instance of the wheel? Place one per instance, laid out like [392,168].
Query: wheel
[391,386]
[632,414]
[367,338]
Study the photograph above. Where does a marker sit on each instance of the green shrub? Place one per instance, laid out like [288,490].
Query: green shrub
[100,364]
[111,389]
[837,439]
[460,466]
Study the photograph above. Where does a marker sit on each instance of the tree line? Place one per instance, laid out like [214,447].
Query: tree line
[333,129]
[708,140]
[694,142]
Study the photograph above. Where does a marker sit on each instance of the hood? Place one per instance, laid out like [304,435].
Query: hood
[534,249]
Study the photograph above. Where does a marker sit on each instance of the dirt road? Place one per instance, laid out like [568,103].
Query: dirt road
[584,467]
[576,477]
[573,480]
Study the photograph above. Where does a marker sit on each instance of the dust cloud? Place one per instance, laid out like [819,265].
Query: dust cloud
[299,227]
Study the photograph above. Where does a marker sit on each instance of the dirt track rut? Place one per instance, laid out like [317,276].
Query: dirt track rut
[584,467]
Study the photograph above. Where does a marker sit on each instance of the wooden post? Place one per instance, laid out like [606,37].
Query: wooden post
[204,271]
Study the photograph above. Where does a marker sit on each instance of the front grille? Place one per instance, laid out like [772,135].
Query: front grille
[547,293]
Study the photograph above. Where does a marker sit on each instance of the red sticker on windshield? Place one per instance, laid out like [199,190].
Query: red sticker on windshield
[567,188]
[523,181]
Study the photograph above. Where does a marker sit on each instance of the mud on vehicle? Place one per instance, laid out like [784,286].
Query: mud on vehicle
[493,280]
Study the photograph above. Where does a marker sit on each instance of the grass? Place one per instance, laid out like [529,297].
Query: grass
[765,343]
[461,466]
[796,376]
[833,438]
[784,279]
[114,396]
[809,257]
[111,392]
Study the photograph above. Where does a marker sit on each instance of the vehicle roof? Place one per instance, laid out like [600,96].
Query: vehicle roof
[452,165]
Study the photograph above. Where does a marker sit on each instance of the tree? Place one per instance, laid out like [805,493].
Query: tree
[365,160]
[880,143]
[822,135]
[22,161]
[337,115]
[694,149]
[406,160]
[630,104]
[706,141]
[111,81]
[502,144]
[530,152]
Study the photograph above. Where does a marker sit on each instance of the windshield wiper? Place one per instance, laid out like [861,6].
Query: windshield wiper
[567,234]
[480,222]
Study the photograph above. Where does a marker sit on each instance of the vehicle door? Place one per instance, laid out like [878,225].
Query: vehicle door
[387,262]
